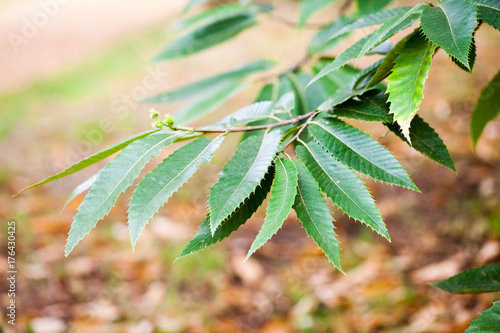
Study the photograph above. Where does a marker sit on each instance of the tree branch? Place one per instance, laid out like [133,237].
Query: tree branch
[292,121]
[302,129]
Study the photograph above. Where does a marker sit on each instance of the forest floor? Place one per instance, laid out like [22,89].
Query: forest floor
[54,98]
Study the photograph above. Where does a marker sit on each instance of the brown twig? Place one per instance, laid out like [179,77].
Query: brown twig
[292,121]
[312,115]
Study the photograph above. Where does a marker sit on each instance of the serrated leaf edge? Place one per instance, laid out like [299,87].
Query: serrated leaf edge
[415,188]
[214,142]
[181,255]
[68,250]
[219,220]
[347,195]
[252,249]
[299,193]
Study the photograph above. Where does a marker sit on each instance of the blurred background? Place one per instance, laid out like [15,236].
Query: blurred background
[72,88]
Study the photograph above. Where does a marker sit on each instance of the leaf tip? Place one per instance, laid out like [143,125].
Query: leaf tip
[314,79]
[181,255]
[249,254]
[68,249]
[388,237]
[133,242]
[405,129]
[213,227]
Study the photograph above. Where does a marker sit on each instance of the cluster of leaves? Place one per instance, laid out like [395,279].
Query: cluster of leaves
[299,114]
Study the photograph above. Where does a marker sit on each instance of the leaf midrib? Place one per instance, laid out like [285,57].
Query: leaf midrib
[487,6]
[358,25]
[286,190]
[422,141]
[246,20]
[313,221]
[128,172]
[342,190]
[353,110]
[453,35]
[359,154]
[424,56]
[241,182]
[176,177]
[377,38]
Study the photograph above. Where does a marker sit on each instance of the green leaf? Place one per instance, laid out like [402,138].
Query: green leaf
[471,57]
[315,94]
[282,198]
[489,12]
[484,279]
[350,53]
[362,78]
[367,21]
[488,321]
[366,7]
[322,40]
[214,15]
[382,48]
[241,175]
[391,27]
[426,141]
[114,179]
[286,102]
[80,189]
[339,97]
[93,159]
[342,185]
[362,111]
[193,3]
[204,238]
[335,80]
[316,219]
[265,93]
[359,151]
[207,103]
[272,92]
[376,97]
[387,64]
[406,82]
[308,7]
[301,102]
[486,109]
[247,114]
[371,41]
[159,185]
[451,26]
[207,36]
[281,87]
[373,106]
[210,85]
